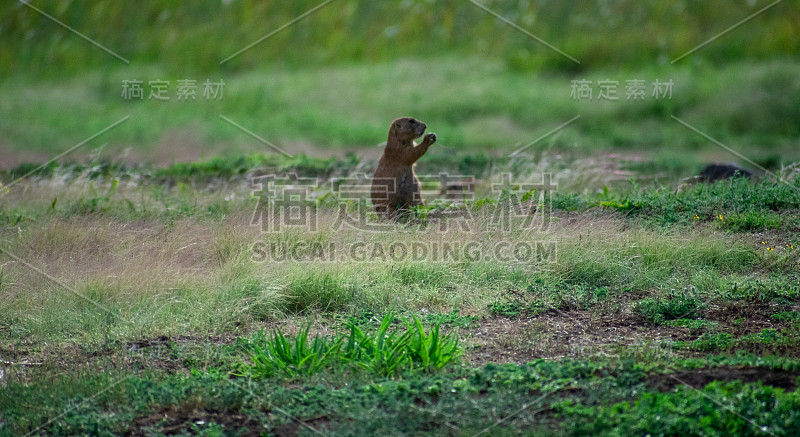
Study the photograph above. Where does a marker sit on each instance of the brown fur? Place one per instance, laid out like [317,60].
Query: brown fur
[395,186]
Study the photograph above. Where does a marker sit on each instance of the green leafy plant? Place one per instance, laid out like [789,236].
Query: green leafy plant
[383,352]
[430,351]
[277,353]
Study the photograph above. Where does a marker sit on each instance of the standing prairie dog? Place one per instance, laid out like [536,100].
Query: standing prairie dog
[395,186]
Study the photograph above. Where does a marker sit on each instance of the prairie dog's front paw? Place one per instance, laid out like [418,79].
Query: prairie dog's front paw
[430,138]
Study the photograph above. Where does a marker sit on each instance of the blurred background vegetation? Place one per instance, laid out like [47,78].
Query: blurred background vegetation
[331,82]
[199,34]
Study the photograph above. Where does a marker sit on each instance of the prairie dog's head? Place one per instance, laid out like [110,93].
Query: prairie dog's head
[407,128]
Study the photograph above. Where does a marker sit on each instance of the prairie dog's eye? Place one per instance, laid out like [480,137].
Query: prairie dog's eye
[412,121]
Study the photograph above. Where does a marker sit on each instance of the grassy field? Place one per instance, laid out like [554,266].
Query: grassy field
[329,84]
[154,307]
[154,280]
[473,105]
[622,33]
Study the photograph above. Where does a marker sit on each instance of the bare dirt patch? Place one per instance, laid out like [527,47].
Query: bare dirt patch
[173,421]
[25,363]
[185,419]
[743,318]
[558,335]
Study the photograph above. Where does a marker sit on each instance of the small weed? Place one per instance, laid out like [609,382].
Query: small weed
[606,200]
[516,308]
[766,336]
[507,309]
[95,203]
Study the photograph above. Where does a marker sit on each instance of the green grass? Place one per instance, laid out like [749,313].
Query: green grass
[184,37]
[737,204]
[171,257]
[679,307]
[734,205]
[787,315]
[320,291]
[595,264]
[767,340]
[277,354]
[133,300]
[688,411]
[751,221]
[628,401]
[475,105]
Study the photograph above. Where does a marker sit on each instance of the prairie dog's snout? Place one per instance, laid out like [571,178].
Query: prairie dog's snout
[417,127]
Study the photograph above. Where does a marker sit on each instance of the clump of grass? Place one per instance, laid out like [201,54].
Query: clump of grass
[419,274]
[781,290]
[388,352]
[658,311]
[708,342]
[569,202]
[321,291]
[382,352]
[694,324]
[750,221]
